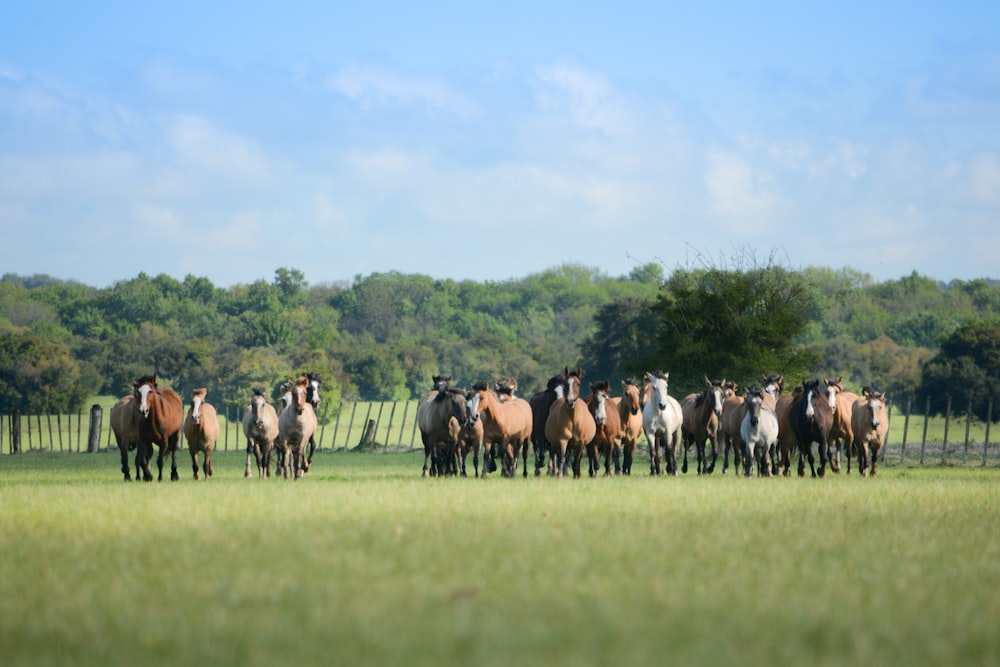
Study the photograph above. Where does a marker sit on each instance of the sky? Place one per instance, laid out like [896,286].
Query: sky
[229,139]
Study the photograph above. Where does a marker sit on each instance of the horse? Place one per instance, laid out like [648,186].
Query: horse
[787,442]
[505,389]
[296,424]
[158,413]
[440,417]
[469,438]
[260,426]
[733,410]
[312,395]
[661,422]
[569,427]
[126,429]
[541,404]
[607,439]
[759,431]
[811,416]
[700,422]
[201,430]
[841,433]
[506,424]
[284,400]
[630,416]
[870,427]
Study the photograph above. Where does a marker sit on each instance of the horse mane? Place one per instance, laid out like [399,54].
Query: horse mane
[259,391]
[313,376]
[144,379]
[632,381]
[603,385]
[481,386]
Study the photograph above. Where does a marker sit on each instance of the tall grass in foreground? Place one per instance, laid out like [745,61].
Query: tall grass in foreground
[364,562]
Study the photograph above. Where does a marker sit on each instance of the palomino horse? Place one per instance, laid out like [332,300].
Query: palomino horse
[440,417]
[126,429]
[158,413]
[506,428]
[607,439]
[296,424]
[733,411]
[541,403]
[630,416]
[661,422]
[312,395]
[260,426]
[201,429]
[870,426]
[759,431]
[841,433]
[569,427]
[700,422]
[810,416]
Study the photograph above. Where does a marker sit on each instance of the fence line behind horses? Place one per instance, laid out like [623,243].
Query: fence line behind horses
[391,427]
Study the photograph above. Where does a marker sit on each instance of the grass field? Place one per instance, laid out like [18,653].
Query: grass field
[363,562]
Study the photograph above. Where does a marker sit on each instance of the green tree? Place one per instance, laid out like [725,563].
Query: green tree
[967,367]
[38,374]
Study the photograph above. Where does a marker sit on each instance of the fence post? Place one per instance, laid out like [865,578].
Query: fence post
[94,439]
[968,427]
[336,426]
[923,441]
[381,407]
[906,428]
[947,423]
[15,432]
[322,430]
[989,418]
[402,426]
[388,429]
[350,424]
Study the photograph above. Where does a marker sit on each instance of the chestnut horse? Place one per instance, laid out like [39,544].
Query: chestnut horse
[126,429]
[201,429]
[260,426]
[569,427]
[296,424]
[870,426]
[607,439]
[630,416]
[661,422]
[506,426]
[810,416]
[841,433]
[158,413]
[700,422]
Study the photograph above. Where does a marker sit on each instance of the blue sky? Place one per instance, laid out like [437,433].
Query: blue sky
[229,139]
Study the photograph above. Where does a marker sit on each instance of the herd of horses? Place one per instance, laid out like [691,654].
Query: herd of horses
[154,415]
[764,427]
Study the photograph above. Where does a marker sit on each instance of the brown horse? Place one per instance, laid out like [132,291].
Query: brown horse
[630,416]
[841,433]
[506,426]
[201,430]
[607,439]
[810,416]
[260,426]
[700,422]
[541,403]
[730,424]
[870,426]
[570,427]
[126,429]
[296,424]
[440,417]
[469,439]
[158,413]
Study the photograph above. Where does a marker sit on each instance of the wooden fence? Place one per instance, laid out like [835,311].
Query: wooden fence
[391,426]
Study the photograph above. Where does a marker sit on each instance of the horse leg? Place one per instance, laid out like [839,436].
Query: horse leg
[194,460]
[207,466]
[824,454]
[685,444]
[123,451]
[312,450]
[715,453]
[250,452]
[172,445]
[874,454]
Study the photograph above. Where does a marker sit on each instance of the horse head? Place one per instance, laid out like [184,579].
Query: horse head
[572,385]
[659,387]
[833,387]
[441,382]
[141,388]
[875,401]
[197,398]
[774,384]
[300,391]
[475,401]
[601,392]
[754,401]
[256,406]
[714,388]
[630,394]
[312,393]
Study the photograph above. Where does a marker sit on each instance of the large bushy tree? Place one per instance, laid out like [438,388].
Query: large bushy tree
[967,368]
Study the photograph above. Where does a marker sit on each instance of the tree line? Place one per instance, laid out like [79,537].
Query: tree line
[384,335]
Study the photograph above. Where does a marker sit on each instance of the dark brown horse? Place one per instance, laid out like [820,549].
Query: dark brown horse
[158,412]
[570,427]
[811,417]
[541,403]
[607,439]
[700,422]
[440,417]
[201,429]
[126,429]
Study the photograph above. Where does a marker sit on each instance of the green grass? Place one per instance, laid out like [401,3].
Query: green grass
[365,562]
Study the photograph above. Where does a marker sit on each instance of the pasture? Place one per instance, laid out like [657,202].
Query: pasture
[365,562]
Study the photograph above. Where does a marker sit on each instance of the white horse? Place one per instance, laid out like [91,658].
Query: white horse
[661,422]
[759,431]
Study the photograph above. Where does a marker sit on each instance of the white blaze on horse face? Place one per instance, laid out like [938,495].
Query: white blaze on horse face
[601,412]
[831,397]
[473,404]
[810,411]
[570,393]
[315,387]
[717,392]
[143,401]
[196,409]
[876,406]
[258,407]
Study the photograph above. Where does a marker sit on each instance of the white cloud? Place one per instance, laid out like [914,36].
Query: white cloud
[375,86]
[196,142]
[737,189]
[587,96]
